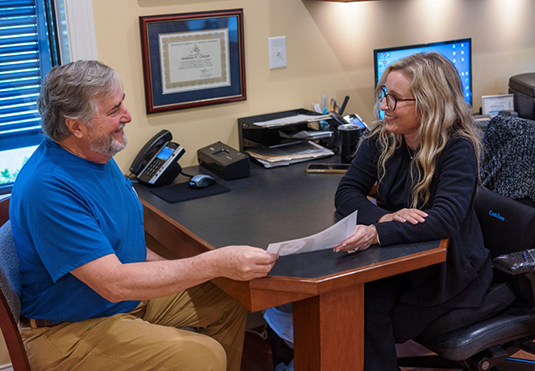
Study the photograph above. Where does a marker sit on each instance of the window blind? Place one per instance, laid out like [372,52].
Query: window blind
[24,57]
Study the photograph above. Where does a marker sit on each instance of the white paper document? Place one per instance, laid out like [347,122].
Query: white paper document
[329,238]
[307,135]
[292,120]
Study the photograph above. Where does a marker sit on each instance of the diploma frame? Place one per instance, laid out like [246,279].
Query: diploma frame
[193,59]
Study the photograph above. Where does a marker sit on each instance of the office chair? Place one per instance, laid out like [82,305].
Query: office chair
[9,294]
[485,338]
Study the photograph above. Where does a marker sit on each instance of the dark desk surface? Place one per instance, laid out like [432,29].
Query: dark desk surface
[271,205]
[274,205]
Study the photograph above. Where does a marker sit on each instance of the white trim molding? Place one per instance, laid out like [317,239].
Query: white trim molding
[81,29]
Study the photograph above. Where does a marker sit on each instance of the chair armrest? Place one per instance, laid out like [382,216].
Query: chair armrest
[520,262]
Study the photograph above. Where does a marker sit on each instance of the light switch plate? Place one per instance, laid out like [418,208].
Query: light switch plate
[277,52]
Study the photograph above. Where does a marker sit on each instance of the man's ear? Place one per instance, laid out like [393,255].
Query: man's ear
[76,127]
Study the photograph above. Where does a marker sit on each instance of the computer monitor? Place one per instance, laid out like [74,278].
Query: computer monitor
[459,52]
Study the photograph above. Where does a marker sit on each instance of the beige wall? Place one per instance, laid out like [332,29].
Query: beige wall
[329,51]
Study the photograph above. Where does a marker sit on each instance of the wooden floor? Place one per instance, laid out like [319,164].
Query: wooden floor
[411,348]
[257,353]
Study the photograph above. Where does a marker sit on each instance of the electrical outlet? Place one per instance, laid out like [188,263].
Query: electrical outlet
[277,52]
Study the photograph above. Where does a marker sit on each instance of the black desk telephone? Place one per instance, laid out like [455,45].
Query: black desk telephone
[157,162]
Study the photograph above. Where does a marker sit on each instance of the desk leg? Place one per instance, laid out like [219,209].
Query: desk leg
[329,331]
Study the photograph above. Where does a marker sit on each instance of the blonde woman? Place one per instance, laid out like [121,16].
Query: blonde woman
[424,156]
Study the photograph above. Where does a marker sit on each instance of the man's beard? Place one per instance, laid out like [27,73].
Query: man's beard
[108,146]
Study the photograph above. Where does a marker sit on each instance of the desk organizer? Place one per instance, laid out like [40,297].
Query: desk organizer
[251,135]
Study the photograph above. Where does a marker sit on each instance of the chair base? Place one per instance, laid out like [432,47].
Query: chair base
[428,362]
[510,364]
[496,358]
[514,364]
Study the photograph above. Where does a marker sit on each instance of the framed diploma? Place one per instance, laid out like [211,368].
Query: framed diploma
[193,59]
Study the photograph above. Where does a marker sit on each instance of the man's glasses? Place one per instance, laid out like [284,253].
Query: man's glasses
[392,101]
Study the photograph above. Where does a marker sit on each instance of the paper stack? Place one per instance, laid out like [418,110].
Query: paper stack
[289,154]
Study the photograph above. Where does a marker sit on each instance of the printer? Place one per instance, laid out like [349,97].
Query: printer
[523,88]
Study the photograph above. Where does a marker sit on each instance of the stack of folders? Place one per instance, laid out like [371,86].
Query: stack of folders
[289,154]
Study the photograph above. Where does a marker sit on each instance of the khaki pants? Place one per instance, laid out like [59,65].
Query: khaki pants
[147,338]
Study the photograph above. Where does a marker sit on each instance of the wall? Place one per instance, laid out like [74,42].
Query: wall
[329,51]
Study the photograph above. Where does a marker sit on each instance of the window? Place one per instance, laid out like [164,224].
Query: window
[28,49]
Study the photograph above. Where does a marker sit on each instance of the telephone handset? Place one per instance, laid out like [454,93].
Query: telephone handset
[157,162]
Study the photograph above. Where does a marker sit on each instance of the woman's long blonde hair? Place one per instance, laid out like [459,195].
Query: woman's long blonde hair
[443,113]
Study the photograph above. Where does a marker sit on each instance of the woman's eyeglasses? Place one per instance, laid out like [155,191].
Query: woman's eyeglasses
[392,101]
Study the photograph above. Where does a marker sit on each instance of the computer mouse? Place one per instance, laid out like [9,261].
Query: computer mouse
[201,181]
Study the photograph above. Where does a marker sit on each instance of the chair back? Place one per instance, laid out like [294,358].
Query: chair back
[4,211]
[508,225]
[10,282]
[10,279]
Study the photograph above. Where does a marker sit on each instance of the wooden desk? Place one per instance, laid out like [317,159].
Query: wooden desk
[326,288]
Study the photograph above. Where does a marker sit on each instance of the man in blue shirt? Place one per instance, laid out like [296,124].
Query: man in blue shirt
[93,296]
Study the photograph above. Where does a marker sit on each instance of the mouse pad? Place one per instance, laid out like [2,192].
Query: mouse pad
[182,191]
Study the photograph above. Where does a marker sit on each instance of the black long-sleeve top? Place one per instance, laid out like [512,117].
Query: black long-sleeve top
[464,278]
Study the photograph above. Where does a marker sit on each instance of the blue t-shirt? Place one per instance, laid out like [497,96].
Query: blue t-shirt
[65,212]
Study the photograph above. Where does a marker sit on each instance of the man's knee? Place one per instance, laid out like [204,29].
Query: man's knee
[202,354]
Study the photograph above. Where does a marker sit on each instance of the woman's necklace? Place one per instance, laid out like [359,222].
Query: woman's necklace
[410,152]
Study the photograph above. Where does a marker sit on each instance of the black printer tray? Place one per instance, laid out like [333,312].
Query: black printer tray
[254,136]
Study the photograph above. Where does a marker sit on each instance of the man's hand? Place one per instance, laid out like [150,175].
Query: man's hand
[413,216]
[364,237]
[243,263]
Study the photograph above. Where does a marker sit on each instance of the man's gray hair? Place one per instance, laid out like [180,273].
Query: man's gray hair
[73,91]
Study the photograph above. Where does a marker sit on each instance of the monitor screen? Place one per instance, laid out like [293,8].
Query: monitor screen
[459,52]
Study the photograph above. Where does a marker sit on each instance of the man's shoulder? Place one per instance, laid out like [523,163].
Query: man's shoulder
[40,169]
[47,175]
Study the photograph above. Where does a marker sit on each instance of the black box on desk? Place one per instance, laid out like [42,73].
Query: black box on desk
[225,161]
[523,88]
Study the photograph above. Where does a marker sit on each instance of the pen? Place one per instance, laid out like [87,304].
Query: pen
[323,123]
[344,105]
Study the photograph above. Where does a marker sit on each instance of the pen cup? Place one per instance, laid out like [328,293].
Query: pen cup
[349,137]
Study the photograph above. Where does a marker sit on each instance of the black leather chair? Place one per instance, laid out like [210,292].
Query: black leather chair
[485,338]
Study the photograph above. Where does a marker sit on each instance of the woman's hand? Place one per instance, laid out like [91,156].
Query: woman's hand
[364,237]
[413,216]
